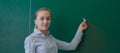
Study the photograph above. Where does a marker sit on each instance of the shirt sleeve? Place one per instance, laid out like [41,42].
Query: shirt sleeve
[73,44]
[29,45]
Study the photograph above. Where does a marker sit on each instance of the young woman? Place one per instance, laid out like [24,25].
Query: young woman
[41,41]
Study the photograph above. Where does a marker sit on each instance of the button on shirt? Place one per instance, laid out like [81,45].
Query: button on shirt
[38,43]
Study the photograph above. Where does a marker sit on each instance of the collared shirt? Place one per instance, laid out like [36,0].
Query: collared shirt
[38,43]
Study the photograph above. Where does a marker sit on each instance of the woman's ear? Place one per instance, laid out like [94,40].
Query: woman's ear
[35,22]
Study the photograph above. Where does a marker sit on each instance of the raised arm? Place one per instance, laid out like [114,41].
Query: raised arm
[76,40]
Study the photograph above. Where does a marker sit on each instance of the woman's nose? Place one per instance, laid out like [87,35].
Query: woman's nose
[45,21]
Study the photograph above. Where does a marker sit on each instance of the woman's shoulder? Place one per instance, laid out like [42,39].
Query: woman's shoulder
[32,37]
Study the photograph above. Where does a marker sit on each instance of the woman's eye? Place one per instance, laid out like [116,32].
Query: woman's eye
[48,18]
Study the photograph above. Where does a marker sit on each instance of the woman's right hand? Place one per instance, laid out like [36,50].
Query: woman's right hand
[83,25]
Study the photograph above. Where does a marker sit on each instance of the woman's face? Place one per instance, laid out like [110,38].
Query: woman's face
[43,20]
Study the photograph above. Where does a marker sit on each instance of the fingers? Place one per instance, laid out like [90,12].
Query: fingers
[84,21]
[84,24]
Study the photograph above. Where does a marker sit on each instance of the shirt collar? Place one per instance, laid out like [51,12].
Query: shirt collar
[36,31]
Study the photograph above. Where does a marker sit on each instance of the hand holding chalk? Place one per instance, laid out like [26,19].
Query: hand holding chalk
[83,25]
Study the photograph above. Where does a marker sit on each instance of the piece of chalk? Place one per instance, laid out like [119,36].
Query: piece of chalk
[84,19]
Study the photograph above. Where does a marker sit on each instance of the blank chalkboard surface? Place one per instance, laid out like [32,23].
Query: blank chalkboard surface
[102,35]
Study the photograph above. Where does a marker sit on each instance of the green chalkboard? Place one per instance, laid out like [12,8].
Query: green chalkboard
[14,25]
[102,35]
